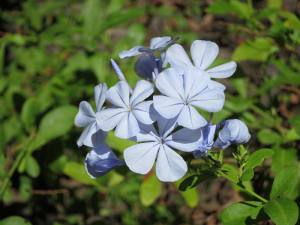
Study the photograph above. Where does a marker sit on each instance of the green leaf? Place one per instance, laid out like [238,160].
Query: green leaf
[29,112]
[231,172]
[295,122]
[258,49]
[194,180]
[54,124]
[150,190]
[118,144]
[267,136]
[282,211]
[254,160]
[14,220]
[257,157]
[237,213]
[283,158]
[78,172]
[286,183]
[32,167]
[191,197]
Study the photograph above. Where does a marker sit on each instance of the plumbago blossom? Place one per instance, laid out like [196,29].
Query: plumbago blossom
[162,113]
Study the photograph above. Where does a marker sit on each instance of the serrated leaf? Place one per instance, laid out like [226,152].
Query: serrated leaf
[286,183]
[237,213]
[282,211]
[150,190]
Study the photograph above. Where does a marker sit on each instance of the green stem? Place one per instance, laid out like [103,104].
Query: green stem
[250,192]
[15,165]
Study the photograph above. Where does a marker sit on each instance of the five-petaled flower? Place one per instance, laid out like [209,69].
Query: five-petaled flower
[181,93]
[86,117]
[126,110]
[159,145]
[203,54]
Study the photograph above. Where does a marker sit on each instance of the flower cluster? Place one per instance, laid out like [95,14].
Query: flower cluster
[162,113]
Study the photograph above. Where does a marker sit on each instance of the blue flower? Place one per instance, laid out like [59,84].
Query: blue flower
[86,117]
[158,145]
[101,159]
[234,131]
[127,109]
[203,54]
[207,140]
[148,64]
[181,93]
[156,44]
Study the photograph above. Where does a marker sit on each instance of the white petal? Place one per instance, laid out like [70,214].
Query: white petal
[194,81]
[109,118]
[170,83]
[147,133]
[168,107]
[186,140]
[127,127]
[142,112]
[165,126]
[159,42]
[86,136]
[85,115]
[170,166]
[142,90]
[204,53]
[214,84]
[190,118]
[100,94]
[211,100]
[222,71]
[178,58]
[131,52]
[118,95]
[140,158]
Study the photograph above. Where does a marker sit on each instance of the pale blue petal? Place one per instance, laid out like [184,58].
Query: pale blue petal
[170,166]
[186,140]
[168,107]
[118,95]
[140,158]
[214,84]
[131,52]
[177,58]
[100,95]
[211,100]
[99,164]
[194,81]
[165,126]
[159,42]
[170,83]
[190,118]
[204,53]
[85,115]
[117,70]
[142,90]
[147,133]
[222,71]
[109,118]
[127,127]
[142,112]
[86,136]
[207,140]
[234,131]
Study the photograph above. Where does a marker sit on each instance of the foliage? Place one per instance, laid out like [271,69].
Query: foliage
[52,53]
